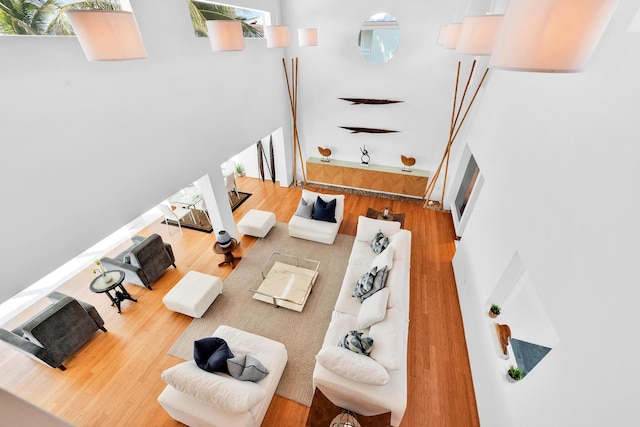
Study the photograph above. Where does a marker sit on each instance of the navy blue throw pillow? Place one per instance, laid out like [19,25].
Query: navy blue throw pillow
[211,354]
[325,211]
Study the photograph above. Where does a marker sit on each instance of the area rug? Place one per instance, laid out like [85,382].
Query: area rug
[301,333]
[236,201]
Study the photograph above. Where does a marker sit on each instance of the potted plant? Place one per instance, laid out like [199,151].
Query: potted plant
[239,170]
[494,311]
[516,374]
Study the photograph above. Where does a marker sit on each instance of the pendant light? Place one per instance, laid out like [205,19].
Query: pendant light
[478,34]
[550,35]
[107,35]
[277,35]
[225,35]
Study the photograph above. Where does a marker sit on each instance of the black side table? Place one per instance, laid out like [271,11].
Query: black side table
[108,281]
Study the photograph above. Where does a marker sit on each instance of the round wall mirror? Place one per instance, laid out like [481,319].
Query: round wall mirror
[379,38]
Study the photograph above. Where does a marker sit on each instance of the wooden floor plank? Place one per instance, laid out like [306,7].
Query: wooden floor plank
[115,378]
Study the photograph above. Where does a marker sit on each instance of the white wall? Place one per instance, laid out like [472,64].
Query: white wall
[87,147]
[559,153]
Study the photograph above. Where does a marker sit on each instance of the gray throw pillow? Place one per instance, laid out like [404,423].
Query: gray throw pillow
[305,210]
[379,242]
[246,368]
[365,282]
[378,283]
[127,258]
[357,342]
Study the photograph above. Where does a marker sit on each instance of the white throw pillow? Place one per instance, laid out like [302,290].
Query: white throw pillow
[388,338]
[220,391]
[354,366]
[373,309]
[385,258]
[368,227]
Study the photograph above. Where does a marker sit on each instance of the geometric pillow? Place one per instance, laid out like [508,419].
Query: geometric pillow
[378,283]
[379,242]
[246,368]
[211,354]
[365,282]
[356,342]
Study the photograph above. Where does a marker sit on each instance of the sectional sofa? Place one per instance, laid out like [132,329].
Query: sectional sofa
[374,384]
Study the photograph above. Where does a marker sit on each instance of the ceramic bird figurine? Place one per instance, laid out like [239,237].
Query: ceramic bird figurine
[325,153]
[407,162]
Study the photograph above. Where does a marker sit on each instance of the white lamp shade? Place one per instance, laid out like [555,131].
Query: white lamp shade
[277,35]
[225,35]
[451,36]
[107,35]
[307,37]
[550,35]
[478,34]
[442,34]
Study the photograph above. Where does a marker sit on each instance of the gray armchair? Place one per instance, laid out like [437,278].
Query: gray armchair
[57,332]
[144,261]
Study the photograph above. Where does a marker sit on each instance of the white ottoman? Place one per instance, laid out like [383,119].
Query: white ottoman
[257,223]
[193,294]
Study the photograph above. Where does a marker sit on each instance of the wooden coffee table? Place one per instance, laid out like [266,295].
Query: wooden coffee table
[399,217]
[323,411]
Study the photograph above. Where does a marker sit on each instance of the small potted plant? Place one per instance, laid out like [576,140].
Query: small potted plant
[516,374]
[239,170]
[494,311]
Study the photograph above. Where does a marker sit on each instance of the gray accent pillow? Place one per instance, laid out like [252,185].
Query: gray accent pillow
[365,282]
[127,258]
[378,283]
[305,210]
[246,368]
[379,242]
[357,342]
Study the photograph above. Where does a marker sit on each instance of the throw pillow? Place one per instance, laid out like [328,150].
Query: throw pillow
[384,259]
[324,211]
[246,368]
[220,391]
[365,283]
[127,258]
[357,342]
[367,228]
[373,309]
[378,283]
[390,334]
[379,242]
[211,354]
[305,209]
[352,366]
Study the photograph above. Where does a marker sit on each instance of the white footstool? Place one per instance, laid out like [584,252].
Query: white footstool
[257,223]
[193,294]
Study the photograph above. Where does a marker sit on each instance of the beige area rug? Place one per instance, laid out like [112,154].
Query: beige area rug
[301,333]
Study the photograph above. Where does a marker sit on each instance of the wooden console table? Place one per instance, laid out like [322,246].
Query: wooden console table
[386,179]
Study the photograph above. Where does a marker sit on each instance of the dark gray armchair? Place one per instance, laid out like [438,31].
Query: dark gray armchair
[57,332]
[144,261]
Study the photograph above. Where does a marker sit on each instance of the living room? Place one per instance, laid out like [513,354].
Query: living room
[558,166]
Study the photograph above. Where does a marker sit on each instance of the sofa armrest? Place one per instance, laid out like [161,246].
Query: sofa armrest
[132,273]
[169,249]
[28,348]
[137,239]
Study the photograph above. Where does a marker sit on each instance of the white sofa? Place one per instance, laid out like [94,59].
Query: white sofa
[318,231]
[199,398]
[376,384]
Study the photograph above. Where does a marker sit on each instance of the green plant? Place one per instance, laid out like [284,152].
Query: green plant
[495,309]
[516,373]
[239,169]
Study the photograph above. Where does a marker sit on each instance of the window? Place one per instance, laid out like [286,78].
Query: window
[47,18]
[252,20]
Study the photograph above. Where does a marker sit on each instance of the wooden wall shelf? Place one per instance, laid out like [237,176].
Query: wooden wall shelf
[386,179]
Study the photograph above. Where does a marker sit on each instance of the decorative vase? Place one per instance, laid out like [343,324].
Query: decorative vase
[224,239]
[492,314]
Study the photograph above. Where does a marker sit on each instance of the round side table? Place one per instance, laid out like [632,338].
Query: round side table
[229,258]
[108,281]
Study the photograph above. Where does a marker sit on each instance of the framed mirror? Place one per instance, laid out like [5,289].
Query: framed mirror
[379,38]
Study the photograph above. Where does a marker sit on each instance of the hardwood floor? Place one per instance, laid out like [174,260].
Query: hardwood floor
[115,379]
